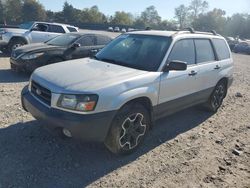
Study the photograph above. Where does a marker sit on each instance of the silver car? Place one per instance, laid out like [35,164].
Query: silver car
[137,78]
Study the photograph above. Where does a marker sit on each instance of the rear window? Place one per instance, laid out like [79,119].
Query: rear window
[221,49]
[72,29]
[204,51]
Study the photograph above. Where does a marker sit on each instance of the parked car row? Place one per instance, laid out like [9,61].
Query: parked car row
[123,30]
[242,47]
[116,96]
[61,48]
[238,46]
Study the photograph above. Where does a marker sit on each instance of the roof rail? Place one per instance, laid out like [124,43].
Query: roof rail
[192,31]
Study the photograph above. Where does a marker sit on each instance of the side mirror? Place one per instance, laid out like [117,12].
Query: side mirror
[175,65]
[76,45]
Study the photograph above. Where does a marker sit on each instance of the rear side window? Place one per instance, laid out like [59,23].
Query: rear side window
[221,49]
[72,29]
[183,50]
[204,51]
[56,29]
[102,40]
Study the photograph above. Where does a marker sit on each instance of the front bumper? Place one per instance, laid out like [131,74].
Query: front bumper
[91,127]
[24,65]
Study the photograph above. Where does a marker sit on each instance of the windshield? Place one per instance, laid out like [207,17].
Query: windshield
[144,52]
[63,40]
[26,25]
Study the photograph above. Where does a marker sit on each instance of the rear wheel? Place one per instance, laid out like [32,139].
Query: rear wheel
[128,129]
[217,97]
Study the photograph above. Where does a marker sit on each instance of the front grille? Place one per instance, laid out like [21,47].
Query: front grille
[41,92]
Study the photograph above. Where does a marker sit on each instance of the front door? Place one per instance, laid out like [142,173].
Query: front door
[178,88]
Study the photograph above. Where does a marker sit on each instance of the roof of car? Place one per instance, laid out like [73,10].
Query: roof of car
[54,23]
[174,33]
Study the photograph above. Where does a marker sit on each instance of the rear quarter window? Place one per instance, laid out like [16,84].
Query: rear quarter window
[221,49]
[72,29]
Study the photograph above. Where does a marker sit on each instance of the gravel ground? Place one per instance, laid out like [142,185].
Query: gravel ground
[192,148]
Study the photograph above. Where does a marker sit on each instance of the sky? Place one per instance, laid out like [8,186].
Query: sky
[165,8]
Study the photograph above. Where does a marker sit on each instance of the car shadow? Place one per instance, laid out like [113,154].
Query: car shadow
[30,157]
[9,76]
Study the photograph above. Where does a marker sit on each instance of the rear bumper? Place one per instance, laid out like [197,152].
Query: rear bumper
[92,127]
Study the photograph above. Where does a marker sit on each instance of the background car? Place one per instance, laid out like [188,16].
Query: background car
[65,47]
[242,47]
[110,29]
[123,30]
[117,29]
[231,42]
[31,32]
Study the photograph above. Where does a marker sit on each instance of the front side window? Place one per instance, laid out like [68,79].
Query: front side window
[183,50]
[204,51]
[144,52]
[72,29]
[87,41]
[40,27]
[221,49]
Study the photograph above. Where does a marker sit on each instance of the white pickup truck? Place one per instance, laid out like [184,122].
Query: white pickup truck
[31,32]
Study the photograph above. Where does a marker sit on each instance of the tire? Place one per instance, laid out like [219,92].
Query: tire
[15,43]
[216,99]
[128,129]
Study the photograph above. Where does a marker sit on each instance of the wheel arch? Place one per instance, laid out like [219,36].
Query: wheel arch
[18,38]
[145,102]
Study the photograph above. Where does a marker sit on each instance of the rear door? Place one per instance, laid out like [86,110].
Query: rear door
[208,65]
[178,88]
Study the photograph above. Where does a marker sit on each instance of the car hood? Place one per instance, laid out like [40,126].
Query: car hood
[14,30]
[35,47]
[83,75]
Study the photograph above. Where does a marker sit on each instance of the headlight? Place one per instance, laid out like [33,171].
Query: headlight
[32,56]
[83,103]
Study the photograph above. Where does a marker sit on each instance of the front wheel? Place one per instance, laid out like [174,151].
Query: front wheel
[217,97]
[128,129]
[15,44]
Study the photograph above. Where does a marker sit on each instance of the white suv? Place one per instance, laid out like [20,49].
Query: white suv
[136,79]
[31,32]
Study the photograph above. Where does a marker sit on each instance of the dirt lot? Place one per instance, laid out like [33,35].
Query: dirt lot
[192,148]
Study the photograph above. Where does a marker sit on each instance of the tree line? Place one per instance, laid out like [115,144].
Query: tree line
[195,14]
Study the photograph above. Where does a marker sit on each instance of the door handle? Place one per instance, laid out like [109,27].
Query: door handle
[192,73]
[217,67]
